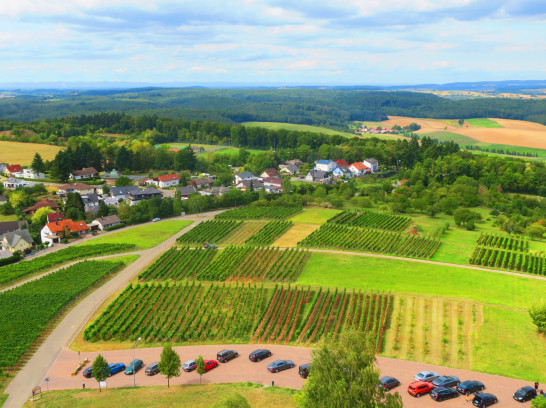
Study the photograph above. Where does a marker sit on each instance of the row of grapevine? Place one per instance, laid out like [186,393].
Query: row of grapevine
[28,309]
[364,218]
[511,243]
[338,236]
[178,264]
[255,264]
[254,212]
[239,235]
[513,260]
[268,234]
[209,231]
[10,273]
[194,312]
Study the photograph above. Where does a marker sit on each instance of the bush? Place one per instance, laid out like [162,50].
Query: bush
[12,259]
[538,316]
[115,227]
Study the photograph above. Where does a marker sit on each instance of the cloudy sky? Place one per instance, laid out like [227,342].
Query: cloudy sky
[272,41]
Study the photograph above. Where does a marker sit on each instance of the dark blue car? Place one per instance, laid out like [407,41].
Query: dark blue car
[115,368]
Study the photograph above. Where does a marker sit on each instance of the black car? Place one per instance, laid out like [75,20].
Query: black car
[470,387]
[388,382]
[258,355]
[446,381]
[280,365]
[88,372]
[152,369]
[225,355]
[525,394]
[443,393]
[484,400]
[304,370]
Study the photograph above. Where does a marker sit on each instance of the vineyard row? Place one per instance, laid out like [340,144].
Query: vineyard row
[364,218]
[513,260]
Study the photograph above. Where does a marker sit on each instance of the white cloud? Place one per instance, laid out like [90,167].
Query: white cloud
[121,70]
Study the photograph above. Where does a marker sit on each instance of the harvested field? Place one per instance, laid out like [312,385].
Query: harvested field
[23,153]
[242,233]
[295,234]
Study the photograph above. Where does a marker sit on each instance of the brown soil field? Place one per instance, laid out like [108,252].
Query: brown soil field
[294,235]
[23,153]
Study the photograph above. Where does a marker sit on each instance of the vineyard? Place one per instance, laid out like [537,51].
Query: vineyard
[256,264]
[259,212]
[209,231]
[239,235]
[337,236]
[178,264]
[194,312]
[371,219]
[13,272]
[503,241]
[268,234]
[28,309]
[513,260]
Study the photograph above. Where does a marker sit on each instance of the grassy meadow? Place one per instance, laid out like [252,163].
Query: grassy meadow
[483,123]
[23,153]
[296,127]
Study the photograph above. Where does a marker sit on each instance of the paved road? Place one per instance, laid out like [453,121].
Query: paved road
[242,370]
[36,368]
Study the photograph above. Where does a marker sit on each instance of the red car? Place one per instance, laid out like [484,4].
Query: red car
[210,364]
[418,388]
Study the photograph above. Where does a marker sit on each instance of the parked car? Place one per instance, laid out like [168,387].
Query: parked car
[280,365]
[523,394]
[446,381]
[470,387]
[426,376]
[443,393]
[134,366]
[115,368]
[189,365]
[388,382]
[210,364]
[418,388]
[304,370]
[156,219]
[225,355]
[258,355]
[152,369]
[88,372]
[482,399]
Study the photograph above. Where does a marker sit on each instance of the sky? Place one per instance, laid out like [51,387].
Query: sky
[308,42]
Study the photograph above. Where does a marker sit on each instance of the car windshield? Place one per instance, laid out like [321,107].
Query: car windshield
[520,393]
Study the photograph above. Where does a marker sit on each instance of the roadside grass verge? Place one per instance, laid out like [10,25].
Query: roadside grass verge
[144,237]
[197,396]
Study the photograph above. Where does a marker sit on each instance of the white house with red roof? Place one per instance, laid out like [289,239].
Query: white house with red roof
[85,173]
[168,180]
[359,169]
[52,232]
[13,170]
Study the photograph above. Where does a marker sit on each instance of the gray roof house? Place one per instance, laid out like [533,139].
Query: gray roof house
[186,191]
[17,240]
[105,222]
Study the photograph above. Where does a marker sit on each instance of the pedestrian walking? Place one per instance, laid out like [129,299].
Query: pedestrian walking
[536,385]
[467,397]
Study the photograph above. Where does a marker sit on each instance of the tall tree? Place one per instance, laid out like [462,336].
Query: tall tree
[62,165]
[38,164]
[103,210]
[123,181]
[185,159]
[124,159]
[100,369]
[200,367]
[344,375]
[74,205]
[169,364]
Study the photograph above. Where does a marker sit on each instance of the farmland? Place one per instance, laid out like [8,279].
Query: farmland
[269,233]
[296,127]
[23,153]
[211,230]
[259,212]
[371,219]
[244,232]
[178,264]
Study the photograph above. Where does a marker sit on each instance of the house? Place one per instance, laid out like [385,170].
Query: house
[325,165]
[135,196]
[289,169]
[31,174]
[273,189]
[244,176]
[18,240]
[342,163]
[10,226]
[110,177]
[342,171]
[272,181]
[3,200]
[359,169]
[75,188]
[2,167]
[119,193]
[16,183]
[185,192]
[318,176]
[136,178]
[217,191]
[295,162]
[373,164]
[202,182]
[167,180]
[105,222]
[91,202]
[85,173]
[53,232]
[244,185]
[14,170]
[269,173]
[52,217]
[43,203]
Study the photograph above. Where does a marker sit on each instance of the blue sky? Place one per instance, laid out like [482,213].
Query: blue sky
[272,41]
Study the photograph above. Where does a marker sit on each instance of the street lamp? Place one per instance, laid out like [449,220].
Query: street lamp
[134,351]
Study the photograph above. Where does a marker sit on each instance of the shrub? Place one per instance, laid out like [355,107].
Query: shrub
[538,316]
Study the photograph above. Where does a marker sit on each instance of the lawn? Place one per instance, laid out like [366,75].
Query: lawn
[4,218]
[296,127]
[445,136]
[23,153]
[195,396]
[483,123]
[407,277]
[145,236]
[314,215]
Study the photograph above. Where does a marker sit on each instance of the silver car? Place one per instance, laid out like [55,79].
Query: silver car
[426,376]
[189,365]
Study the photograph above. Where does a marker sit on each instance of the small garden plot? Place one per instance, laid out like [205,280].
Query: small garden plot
[364,218]
[209,231]
[268,234]
[255,212]
[256,264]
[239,235]
[337,236]
[178,264]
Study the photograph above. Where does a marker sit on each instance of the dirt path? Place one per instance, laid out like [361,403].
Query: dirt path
[242,370]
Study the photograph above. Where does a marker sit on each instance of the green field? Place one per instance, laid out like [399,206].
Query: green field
[445,136]
[397,276]
[198,396]
[143,237]
[483,123]
[314,215]
[4,218]
[299,128]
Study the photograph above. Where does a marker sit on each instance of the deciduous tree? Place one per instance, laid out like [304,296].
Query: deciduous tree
[200,367]
[100,369]
[169,364]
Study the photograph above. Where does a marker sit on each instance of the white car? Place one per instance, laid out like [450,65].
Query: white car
[156,219]
[426,376]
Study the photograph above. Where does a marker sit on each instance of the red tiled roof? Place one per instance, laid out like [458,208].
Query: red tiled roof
[359,166]
[74,226]
[44,203]
[14,168]
[85,171]
[342,163]
[272,180]
[271,172]
[167,177]
[75,186]
[55,217]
